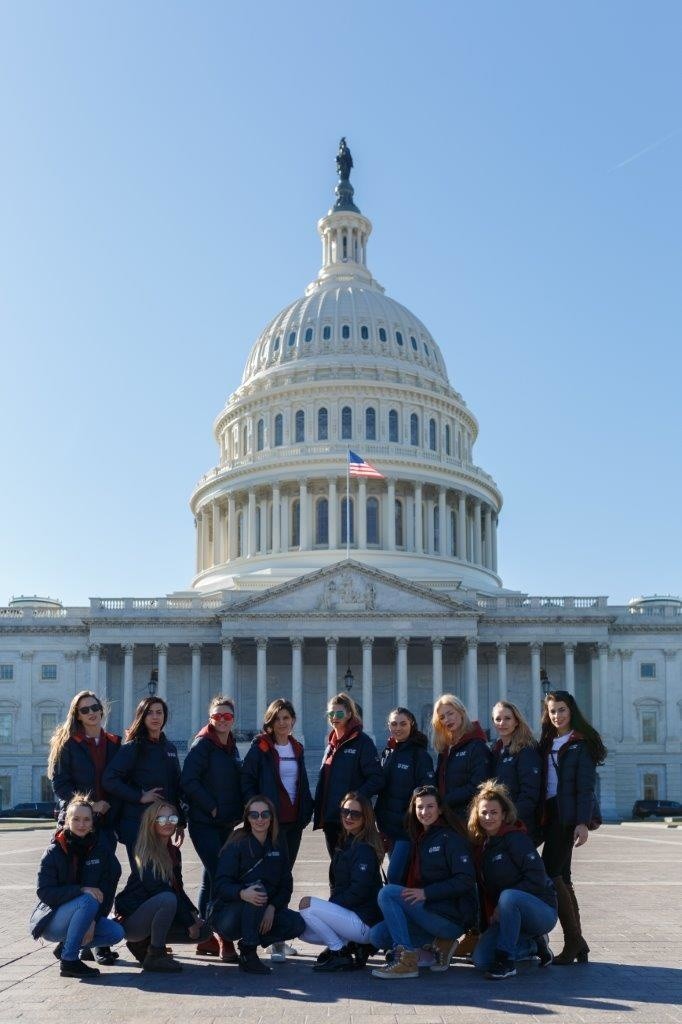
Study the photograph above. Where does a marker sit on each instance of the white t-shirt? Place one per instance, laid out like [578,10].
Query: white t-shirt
[552,780]
[288,768]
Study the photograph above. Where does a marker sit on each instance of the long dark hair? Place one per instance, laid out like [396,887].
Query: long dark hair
[138,730]
[414,827]
[579,723]
[415,731]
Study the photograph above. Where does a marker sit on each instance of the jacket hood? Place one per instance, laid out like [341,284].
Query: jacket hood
[474,733]
[209,733]
[60,839]
[416,739]
[353,729]
[110,737]
[265,742]
[505,829]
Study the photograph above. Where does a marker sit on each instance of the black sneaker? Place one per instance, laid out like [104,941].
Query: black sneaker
[250,962]
[544,953]
[503,966]
[338,960]
[323,956]
[77,969]
[105,955]
[86,954]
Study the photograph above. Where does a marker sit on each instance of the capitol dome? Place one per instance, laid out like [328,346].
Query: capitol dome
[345,367]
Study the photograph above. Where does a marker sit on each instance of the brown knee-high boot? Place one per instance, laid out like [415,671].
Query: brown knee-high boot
[584,948]
[570,925]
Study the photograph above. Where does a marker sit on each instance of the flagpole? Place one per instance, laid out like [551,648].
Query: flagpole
[347,504]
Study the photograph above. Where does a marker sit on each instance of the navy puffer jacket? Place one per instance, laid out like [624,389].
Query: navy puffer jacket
[462,768]
[141,765]
[142,885]
[260,776]
[404,766]
[447,875]
[577,779]
[75,772]
[354,767]
[211,780]
[244,861]
[509,860]
[522,774]
[355,880]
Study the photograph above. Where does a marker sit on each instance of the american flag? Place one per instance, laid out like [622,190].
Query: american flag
[358,467]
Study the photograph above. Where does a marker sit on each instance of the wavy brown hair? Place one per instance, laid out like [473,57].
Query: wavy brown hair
[138,730]
[273,709]
[369,832]
[491,789]
[68,728]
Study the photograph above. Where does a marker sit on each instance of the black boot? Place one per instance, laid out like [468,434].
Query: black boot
[139,948]
[157,959]
[338,960]
[105,955]
[77,969]
[363,951]
[250,962]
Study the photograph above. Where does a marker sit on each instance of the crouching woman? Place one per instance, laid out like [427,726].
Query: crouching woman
[253,886]
[154,899]
[76,882]
[519,898]
[438,900]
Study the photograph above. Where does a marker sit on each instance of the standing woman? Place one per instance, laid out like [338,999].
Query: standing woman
[211,786]
[437,899]
[253,887]
[80,750]
[406,764]
[76,883]
[354,884]
[518,765]
[145,770]
[350,764]
[464,760]
[572,749]
[154,897]
[518,897]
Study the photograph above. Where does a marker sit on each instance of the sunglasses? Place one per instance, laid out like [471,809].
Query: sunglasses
[348,812]
[89,709]
[255,815]
[167,819]
[336,714]
[224,716]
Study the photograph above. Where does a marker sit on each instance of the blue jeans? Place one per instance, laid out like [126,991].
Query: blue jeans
[70,922]
[409,924]
[522,916]
[240,920]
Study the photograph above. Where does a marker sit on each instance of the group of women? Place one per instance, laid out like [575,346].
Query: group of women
[461,839]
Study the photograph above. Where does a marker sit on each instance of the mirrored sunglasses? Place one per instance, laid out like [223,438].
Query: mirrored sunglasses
[224,716]
[167,819]
[336,714]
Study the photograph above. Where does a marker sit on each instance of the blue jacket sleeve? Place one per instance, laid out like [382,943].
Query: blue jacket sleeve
[423,769]
[114,779]
[586,778]
[250,774]
[370,768]
[193,771]
[62,780]
[50,890]
[529,863]
[530,784]
[227,885]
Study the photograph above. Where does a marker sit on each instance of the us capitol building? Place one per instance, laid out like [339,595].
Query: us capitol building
[307,583]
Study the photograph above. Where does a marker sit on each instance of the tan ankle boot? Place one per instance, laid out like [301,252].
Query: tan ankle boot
[404,966]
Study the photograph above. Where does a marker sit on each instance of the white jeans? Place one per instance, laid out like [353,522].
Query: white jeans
[327,924]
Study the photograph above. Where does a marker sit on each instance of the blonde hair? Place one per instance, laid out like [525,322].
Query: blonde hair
[150,847]
[78,800]
[491,789]
[441,735]
[523,734]
[68,728]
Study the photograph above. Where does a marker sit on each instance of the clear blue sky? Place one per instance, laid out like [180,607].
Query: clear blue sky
[163,168]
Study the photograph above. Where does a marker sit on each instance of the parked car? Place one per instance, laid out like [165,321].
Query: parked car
[656,809]
[41,809]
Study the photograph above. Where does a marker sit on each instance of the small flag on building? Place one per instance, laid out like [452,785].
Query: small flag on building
[358,467]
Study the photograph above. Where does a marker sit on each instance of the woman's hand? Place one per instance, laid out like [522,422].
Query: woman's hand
[580,835]
[93,891]
[100,806]
[255,895]
[268,918]
[179,837]
[152,796]
[305,903]
[413,895]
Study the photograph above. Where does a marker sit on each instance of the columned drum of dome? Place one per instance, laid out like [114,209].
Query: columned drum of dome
[345,366]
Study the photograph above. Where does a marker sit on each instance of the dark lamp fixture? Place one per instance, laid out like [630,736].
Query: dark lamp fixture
[544,682]
[348,680]
[153,682]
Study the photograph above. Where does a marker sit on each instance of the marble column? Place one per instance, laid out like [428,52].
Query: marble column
[251,528]
[128,692]
[430,530]
[502,648]
[401,643]
[436,667]
[362,513]
[569,667]
[297,683]
[673,698]
[488,559]
[162,689]
[232,552]
[535,688]
[24,725]
[261,679]
[494,565]
[593,710]
[206,539]
[477,532]
[418,526]
[195,701]
[332,643]
[227,667]
[197,528]
[367,692]
[472,677]
[442,524]
[333,515]
[390,515]
[629,716]
[94,650]
[276,520]
[304,518]
[217,534]
[605,721]
[462,527]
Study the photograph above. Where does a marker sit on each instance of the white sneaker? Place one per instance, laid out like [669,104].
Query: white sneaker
[278,952]
[289,950]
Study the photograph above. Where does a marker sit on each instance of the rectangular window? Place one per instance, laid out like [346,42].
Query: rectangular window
[6,728]
[48,724]
[48,673]
[5,791]
[647,670]
[6,673]
[46,790]
[650,786]
[649,727]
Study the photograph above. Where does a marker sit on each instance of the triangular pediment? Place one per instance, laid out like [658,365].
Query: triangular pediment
[350,588]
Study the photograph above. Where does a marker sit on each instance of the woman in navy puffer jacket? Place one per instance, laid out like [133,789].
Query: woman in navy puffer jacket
[406,764]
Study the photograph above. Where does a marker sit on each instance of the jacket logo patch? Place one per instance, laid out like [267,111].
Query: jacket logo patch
[347,751]
[434,849]
[464,858]
[273,853]
[92,862]
[171,753]
[363,867]
[461,753]
[498,856]
[403,766]
[506,760]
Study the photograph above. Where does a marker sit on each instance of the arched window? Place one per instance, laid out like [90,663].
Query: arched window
[345,332]
[413,342]
[382,334]
[399,537]
[346,422]
[448,443]
[322,425]
[347,521]
[370,424]
[279,430]
[364,332]
[295,523]
[322,522]
[292,339]
[240,534]
[399,337]
[300,425]
[372,520]
[326,333]
[345,246]
[393,425]
[309,334]
[260,435]
[414,429]
[432,435]
[275,344]
[436,528]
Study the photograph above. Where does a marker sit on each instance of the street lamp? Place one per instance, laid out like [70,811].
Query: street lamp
[544,682]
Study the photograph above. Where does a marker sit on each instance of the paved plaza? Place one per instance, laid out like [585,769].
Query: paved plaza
[628,880]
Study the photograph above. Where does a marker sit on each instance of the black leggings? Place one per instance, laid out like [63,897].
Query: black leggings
[558,849]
